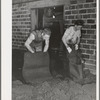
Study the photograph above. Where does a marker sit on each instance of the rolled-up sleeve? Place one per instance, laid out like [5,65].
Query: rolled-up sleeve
[46,38]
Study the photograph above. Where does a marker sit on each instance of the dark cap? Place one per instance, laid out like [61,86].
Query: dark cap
[79,22]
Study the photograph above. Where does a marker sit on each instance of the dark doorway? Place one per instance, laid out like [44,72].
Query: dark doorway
[52,17]
[55,35]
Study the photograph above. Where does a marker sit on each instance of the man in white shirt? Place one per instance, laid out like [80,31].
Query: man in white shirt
[71,40]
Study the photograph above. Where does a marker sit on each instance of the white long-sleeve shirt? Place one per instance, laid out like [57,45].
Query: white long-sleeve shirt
[71,36]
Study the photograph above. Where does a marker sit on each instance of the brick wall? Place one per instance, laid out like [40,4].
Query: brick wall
[86,10]
[21,25]
[21,20]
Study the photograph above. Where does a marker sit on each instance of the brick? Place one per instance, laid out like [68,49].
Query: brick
[24,4]
[89,0]
[20,5]
[86,46]
[28,19]
[93,16]
[66,8]
[15,26]
[87,26]
[83,41]
[90,31]
[72,7]
[68,12]
[22,22]
[85,56]
[26,22]
[24,40]
[67,22]
[78,16]
[14,46]
[92,56]
[91,67]
[91,21]
[81,46]
[86,5]
[13,29]
[93,46]
[90,51]
[22,15]
[91,61]
[18,16]
[19,33]
[66,17]
[20,12]
[80,6]
[14,9]
[75,12]
[20,26]
[24,12]
[18,37]
[95,52]
[81,1]
[71,17]
[83,51]
[24,8]
[93,26]
[91,10]
[93,36]
[93,5]
[73,1]
[15,19]
[24,19]
[85,36]
[13,40]
[90,41]
[83,31]
[28,27]
[82,11]
[17,41]
[73,21]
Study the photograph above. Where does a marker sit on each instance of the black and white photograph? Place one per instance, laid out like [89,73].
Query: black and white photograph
[53,50]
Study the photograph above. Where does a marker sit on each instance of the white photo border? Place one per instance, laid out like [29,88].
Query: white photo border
[6,50]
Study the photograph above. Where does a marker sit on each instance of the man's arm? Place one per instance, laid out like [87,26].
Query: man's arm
[46,38]
[28,41]
[78,40]
[65,40]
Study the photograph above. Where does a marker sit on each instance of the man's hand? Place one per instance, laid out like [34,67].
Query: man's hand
[32,52]
[44,51]
[76,46]
[69,49]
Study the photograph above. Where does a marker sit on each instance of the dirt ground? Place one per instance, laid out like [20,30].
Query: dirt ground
[53,89]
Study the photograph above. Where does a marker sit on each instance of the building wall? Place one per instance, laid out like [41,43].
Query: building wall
[84,9]
[21,18]
[21,25]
